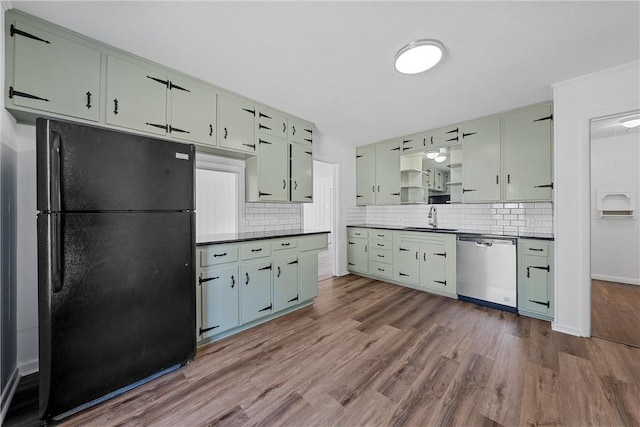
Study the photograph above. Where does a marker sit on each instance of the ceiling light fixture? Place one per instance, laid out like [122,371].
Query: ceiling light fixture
[442,155]
[419,56]
[432,154]
[630,122]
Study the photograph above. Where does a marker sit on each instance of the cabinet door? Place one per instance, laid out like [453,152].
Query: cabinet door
[236,124]
[406,263]
[301,173]
[300,131]
[193,113]
[272,123]
[535,289]
[414,143]
[136,96]
[358,255]
[387,173]
[443,136]
[285,283]
[527,149]
[220,299]
[366,175]
[273,169]
[51,73]
[308,279]
[481,160]
[433,260]
[255,290]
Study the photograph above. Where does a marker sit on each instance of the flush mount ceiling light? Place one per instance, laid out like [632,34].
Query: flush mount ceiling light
[419,56]
[442,155]
[432,154]
[630,122]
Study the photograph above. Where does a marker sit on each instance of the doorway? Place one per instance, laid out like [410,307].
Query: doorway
[615,233]
[320,215]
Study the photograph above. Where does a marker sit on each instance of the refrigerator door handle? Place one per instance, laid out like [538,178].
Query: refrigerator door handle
[55,192]
[56,253]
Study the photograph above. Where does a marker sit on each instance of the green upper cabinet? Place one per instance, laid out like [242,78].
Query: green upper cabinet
[301,172]
[481,160]
[236,124]
[267,173]
[443,136]
[527,138]
[387,173]
[136,96]
[272,123]
[51,73]
[193,112]
[300,131]
[366,175]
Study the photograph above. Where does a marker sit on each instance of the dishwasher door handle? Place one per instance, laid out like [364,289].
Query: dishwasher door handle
[484,244]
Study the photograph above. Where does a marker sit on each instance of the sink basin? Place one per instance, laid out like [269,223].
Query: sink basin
[441,230]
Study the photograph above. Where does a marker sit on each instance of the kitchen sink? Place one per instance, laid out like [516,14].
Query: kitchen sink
[441,230]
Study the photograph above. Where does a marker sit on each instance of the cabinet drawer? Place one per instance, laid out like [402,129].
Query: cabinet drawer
[284,244]
[381,234]
[255,250]
[533,248]
[358,232]
[317,242]
[381,255]
[213,255]
[381,244]
[380,269]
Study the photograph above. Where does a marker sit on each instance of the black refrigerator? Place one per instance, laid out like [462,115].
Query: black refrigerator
[116,273]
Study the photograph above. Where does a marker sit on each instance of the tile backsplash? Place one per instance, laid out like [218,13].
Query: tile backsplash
[495,218]
[272,216]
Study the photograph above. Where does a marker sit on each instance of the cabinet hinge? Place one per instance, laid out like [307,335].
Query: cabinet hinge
[201,280]
[464,135]
[13,93]
[544,186]
[250,111]
[268,267]
[164,82]
[261,115]
[261,126]
[262,141]
[544,118]
[444,254]
[14,30]
[547,269]
[293,299]
[452,131]
[547,304]
[442,282]
[156,125]
[202,331]
[266,308]
[250,146]
[172,129]
[175,86]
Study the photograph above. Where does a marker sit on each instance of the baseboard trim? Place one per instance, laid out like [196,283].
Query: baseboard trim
[625,280]
[8,392]
[29,367]
[569,330]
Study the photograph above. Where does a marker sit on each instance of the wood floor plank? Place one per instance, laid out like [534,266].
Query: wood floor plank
[539,403]
[615,312]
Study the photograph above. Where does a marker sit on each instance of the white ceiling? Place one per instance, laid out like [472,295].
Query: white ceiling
[332,62]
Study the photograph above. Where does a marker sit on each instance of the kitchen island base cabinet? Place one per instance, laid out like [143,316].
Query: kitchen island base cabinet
[241,285]
[535,279]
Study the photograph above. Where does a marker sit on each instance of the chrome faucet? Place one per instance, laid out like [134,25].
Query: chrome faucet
[432,217]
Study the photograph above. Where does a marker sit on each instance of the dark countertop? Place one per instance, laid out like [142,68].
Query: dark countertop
[216,239]
[534,236]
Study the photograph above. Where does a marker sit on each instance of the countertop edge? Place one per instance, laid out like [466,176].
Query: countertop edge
[253,236]
[461,231]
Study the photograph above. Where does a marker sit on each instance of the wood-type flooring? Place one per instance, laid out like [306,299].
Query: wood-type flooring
[369,353]
[615,312]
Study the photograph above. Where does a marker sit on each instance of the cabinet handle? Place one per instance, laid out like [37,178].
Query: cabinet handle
[444,254]
[250,146]
[416,255]
[202,331]
[233,282]
[380,269]
[380,235]
[373,188]
[14,31]
[175,86]
[115,106]
[13,93]
[544,186]
[261,126]
[88,99]
[247,280]
[366,248]
[378,188]
[380,256]
[442,282]
[265,309]
[172,129]
[262,141]
[256,250]
[278,271]
[210,130]
[268,267]
[293,130]
[464,135]
[260,194]
[497,179]
[163,82]
[295,184]
[380,244]
[293,262]
[284,127]
[536,249]
[465,190]
[250,111]
[222,254]
[541,303]
[544,118]
[424,256]
[453,131]
[285,244]
[424,142]
[293,299]
[508,178]
[284,184]
[157,125]
[431,140]
[226,133]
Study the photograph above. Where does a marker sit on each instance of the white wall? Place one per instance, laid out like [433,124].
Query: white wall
[576,102]
[615,242]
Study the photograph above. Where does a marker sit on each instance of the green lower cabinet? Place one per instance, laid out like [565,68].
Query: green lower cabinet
[433,267]
[308,279]
[535,279]
[285,283]
[357,255]
[219,301]
[255,290]
[407,262]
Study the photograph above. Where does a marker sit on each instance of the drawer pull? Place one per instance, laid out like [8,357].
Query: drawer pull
[381,245]
[380,256]
[285,244]
[536,249]
[217,255]
[380,235]
[256,250]
[380,269]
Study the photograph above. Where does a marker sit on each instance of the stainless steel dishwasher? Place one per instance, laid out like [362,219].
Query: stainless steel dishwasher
[486,270]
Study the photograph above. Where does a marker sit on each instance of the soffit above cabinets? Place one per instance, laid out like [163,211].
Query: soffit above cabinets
[301,57]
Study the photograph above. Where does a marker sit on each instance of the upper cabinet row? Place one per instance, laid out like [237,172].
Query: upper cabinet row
[504,158]
[51,71]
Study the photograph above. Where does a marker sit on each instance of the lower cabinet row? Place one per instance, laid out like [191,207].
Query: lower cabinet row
[241,283]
